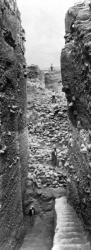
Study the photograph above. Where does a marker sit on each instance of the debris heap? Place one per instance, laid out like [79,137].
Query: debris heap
[48,126]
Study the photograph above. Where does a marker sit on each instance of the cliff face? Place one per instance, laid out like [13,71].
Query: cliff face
[13,132]
[76,78]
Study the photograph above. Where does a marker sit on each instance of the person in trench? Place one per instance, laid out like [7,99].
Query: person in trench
[53,97]
[32,214]
[54,157]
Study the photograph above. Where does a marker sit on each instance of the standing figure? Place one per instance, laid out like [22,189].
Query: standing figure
[51,67]
[53,97]
[32,214]
[54,157]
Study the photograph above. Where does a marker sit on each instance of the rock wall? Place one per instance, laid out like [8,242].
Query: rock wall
[76,78]
[13,132]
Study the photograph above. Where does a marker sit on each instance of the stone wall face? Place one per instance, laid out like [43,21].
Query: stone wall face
[76,78]
[13,132]
[34,72]
[52,78]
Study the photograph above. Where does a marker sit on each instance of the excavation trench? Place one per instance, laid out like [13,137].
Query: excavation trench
[55,224]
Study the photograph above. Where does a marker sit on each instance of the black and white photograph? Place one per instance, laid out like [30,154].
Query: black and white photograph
[45,124]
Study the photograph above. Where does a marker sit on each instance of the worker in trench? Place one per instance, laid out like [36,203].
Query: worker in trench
[54,159]
[32,214]
[53,97]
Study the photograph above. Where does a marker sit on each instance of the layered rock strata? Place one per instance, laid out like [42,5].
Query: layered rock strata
[13,132]
[76,78]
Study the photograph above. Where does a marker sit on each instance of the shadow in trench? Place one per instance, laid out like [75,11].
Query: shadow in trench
[39,231]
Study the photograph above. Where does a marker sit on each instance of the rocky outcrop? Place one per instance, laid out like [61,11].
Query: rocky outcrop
[76,78]
[13,132]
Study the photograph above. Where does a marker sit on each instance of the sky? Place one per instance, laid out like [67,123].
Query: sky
[43,21]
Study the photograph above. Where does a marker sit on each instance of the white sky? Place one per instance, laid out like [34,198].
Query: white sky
[43,21]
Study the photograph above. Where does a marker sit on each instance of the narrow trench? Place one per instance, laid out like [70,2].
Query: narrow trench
[50,185]
[54,225]
[39,200]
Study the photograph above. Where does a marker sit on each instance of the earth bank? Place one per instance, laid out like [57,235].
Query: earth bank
[76,78]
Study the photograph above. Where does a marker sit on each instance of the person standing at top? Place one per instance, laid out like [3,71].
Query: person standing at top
[51,67]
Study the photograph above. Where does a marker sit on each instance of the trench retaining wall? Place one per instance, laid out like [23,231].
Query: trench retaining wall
[13,131]
[76,79]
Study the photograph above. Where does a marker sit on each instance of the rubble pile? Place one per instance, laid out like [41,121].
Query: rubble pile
[47,126]
[76,71]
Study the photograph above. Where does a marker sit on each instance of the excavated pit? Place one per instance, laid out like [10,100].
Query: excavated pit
[34,180]
[46,184]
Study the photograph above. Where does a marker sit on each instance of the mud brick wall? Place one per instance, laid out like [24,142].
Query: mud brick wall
[34,72]
[76,79]
[52,78]
[13,131]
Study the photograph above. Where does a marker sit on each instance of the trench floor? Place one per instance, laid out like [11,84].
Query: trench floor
[69,232]
[40,235]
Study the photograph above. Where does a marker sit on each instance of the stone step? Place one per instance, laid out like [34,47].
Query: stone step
[72,247]
[69,232]
[71,229]
[64,239]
